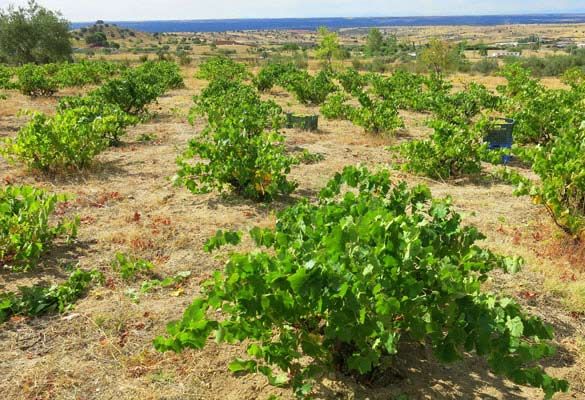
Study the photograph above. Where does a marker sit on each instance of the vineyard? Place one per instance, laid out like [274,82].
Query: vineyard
[164,234]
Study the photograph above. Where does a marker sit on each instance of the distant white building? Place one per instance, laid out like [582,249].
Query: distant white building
[504,53]
[507,44]
[581,45]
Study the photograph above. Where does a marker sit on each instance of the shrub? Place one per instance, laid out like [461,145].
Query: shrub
[274,74]
[341,282]
[540,113]
[462,106]
[67,140]
[222,67]
[376,116]
[561,168]
[6,75]
[352,81]
[35,80]
[93,108]
[128,267]
[407,90]
[336,107]
[28,226]
[39,300]
[241,146]
[138,87]
[184,59]
[312,90]
[85,73]
[485,66]
[452,151]
[378,64]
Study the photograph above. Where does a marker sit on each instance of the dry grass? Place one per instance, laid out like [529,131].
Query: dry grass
[103,350]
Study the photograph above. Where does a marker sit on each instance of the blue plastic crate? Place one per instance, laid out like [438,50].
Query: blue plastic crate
[501,136]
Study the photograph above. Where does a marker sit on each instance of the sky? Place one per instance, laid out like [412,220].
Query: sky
[130,10]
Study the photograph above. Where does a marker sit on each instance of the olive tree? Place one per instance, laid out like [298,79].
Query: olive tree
[33,34]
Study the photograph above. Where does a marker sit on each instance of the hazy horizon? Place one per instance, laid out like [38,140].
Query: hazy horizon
[577,12]
[183,10]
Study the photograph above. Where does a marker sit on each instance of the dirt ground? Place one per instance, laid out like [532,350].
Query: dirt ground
[128,203]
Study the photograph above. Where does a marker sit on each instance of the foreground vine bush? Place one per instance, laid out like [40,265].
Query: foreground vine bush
[27,227]
[341,282]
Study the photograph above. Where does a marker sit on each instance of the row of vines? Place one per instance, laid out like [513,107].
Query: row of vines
[83,126]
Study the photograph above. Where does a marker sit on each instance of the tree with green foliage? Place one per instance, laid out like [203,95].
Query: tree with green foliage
[97,39]
[33,34]
[440,56]
[374,42]
[328,47]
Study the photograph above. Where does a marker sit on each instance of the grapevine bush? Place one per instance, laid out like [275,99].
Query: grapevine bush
[560,166]
[35,80]
[138,87]
[274,74]
[453,150]
[69,140]
[340,283]
[408,91]
[85,126]
[6,74]
[336,107]
[96,108]
[222,68]
[308,89]
[28,226]
[540,113]
[39,299]
[352,81]
[375,116]
[85,73]
[241,146]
